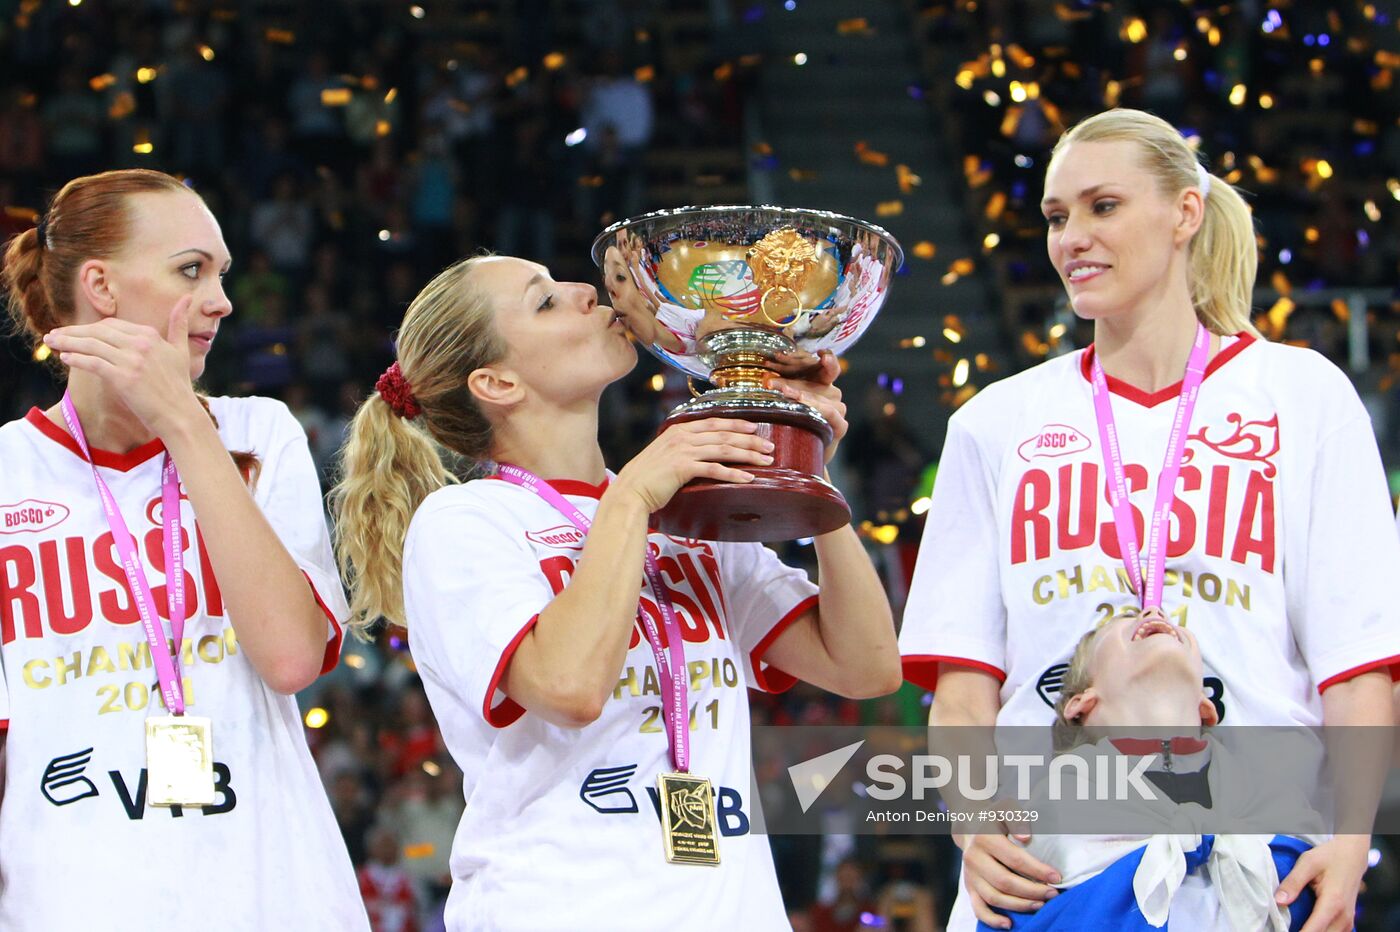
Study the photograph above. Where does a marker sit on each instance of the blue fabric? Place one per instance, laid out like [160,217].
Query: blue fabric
[1106,902]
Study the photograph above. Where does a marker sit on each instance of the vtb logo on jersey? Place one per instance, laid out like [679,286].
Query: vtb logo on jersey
[1054,440]
[31,515]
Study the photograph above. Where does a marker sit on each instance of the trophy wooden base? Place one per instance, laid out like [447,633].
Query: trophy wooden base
[786,500]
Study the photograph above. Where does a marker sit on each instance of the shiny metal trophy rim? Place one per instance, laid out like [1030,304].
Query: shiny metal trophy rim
[855,294]
[600,243]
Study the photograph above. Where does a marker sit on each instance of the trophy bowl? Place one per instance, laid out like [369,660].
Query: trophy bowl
[738,296]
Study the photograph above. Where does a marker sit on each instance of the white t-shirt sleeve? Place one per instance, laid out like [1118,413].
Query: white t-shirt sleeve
[1341,600]
[289,492]
[954,613]
[472,590]
[763,597]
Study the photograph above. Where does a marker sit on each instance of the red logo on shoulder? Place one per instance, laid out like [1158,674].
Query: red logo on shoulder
[31,515]
[564,536]
[1054,440]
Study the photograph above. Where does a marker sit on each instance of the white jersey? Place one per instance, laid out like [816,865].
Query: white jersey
[1281,553]
[81,848]
[561,827]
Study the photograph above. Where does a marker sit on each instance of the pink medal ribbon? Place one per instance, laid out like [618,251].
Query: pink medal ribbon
[673,671]
[171,688]
[1150,589]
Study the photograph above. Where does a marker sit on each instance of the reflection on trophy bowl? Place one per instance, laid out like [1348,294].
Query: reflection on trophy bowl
[738,296]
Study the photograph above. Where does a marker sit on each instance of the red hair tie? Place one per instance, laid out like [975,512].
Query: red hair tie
[395,390]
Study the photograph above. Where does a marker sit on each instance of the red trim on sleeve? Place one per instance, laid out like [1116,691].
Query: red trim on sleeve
[773,680]
[509,710]
[334,642]
[4,724]
[922,669]
[1152,399]
[1392,664]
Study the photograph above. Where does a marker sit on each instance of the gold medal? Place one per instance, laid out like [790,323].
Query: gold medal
[688,826]
[179,761]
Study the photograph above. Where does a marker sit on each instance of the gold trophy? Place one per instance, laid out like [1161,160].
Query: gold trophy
[736,296]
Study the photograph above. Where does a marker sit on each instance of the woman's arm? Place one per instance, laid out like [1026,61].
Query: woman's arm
[997,871]
[1334,869]
[846,644]
[568,664]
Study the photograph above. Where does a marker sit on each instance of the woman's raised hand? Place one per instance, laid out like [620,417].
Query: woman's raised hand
[713,448]
[147,370]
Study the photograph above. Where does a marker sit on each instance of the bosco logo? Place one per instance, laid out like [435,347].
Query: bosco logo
[1054,440]
[564,537]
[31,515]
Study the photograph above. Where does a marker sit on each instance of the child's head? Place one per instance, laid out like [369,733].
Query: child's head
[1125,666]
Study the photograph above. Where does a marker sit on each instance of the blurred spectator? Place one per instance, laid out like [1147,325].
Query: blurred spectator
[72,118]
[851,908]
[353,813]
[283,227]
[385,886]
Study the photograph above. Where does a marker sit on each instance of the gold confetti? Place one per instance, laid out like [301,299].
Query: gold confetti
[1020,57]
[1310,234]
[382,128]
[553,61]
[146,75]
[724,72]
[517,76]
[280,36]
[143,144]
[858,26]
[870,156]
[762,148]
[645,74]
[102,82]
[925,250]
[889,208]
[1373,213]
[206,53]
[960,372]
[995,205]
[123,106]
[335,96]
[1340,309]
[1134,30]
[392,95]
[1266,101]
[990,242]
[908,181]
[951,335]
[963,266]
[1238,95]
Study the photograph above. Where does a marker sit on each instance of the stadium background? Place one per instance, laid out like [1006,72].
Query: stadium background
[351,149]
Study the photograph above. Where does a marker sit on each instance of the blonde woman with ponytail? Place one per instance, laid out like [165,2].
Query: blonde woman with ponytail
[537,600]
[1277,548]
[154,759]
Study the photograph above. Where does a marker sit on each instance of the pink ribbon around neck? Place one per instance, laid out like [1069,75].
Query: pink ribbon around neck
[164,658]
[1149,590]
[672,669]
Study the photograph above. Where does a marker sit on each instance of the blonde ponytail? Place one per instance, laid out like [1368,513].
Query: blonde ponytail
[1223,255]
[1224,261]
[390,464]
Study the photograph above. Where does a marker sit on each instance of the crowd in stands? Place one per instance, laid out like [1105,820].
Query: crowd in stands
[352,149]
